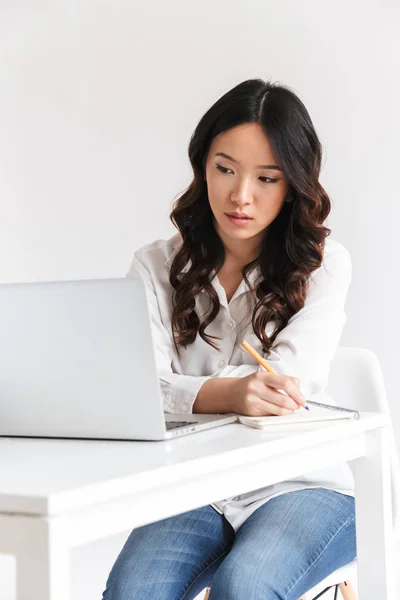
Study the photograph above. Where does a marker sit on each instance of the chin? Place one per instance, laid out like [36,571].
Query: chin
[238,234]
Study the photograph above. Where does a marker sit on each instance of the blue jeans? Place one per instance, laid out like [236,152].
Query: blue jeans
[288,545]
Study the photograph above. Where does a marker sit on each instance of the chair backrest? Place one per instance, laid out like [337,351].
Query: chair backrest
[356,381]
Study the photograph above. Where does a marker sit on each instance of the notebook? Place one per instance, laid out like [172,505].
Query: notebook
[317,412]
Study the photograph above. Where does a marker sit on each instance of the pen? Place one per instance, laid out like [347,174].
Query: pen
[261,361]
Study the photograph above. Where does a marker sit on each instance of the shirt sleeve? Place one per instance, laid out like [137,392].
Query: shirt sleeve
[178,391]
[306,346]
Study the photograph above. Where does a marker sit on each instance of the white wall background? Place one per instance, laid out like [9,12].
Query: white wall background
[98,99]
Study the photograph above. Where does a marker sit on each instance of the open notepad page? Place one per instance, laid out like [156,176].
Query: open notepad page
[316,413]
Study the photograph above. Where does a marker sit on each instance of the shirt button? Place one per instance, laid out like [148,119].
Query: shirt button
[221,363]
[184,407]
[172,405]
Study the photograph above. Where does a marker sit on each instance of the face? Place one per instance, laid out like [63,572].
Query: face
[246,187]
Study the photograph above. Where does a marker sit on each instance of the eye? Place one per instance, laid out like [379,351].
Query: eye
[223,169]
[268,180]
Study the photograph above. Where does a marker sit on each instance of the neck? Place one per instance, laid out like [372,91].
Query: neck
[241,252]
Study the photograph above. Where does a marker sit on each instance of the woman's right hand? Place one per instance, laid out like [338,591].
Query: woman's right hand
[257,394]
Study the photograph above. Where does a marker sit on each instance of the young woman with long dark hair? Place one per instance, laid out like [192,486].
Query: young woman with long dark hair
[252,261]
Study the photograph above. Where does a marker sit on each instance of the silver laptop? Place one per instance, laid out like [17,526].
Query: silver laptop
[77,361]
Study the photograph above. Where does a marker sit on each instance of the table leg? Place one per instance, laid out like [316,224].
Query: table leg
[375,540]
[42,557]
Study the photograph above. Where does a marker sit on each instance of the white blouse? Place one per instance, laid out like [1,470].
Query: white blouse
[304,349]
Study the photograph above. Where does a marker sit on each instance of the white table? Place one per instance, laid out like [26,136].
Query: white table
[56,494]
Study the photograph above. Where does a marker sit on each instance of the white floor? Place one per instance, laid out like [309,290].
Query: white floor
[90,566]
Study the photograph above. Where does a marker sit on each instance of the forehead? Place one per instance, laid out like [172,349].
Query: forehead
[246,143]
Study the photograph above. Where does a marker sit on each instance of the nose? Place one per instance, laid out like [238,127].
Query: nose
[242,193]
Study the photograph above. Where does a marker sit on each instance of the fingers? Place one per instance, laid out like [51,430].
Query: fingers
[278,399]
[289,385]
[263,408]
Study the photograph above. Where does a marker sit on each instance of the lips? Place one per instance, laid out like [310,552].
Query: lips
[239,215]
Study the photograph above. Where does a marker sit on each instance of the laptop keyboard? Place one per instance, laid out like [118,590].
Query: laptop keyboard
[176,424]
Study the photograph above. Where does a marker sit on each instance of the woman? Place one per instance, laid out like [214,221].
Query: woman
[251,261]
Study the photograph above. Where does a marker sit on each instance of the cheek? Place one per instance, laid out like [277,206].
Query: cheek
[218,191]
[273,202]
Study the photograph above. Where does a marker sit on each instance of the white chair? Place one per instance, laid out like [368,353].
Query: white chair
[356,381]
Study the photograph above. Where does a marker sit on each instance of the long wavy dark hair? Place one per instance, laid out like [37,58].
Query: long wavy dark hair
[294,246]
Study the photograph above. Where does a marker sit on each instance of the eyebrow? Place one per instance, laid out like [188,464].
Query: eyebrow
[275,167]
